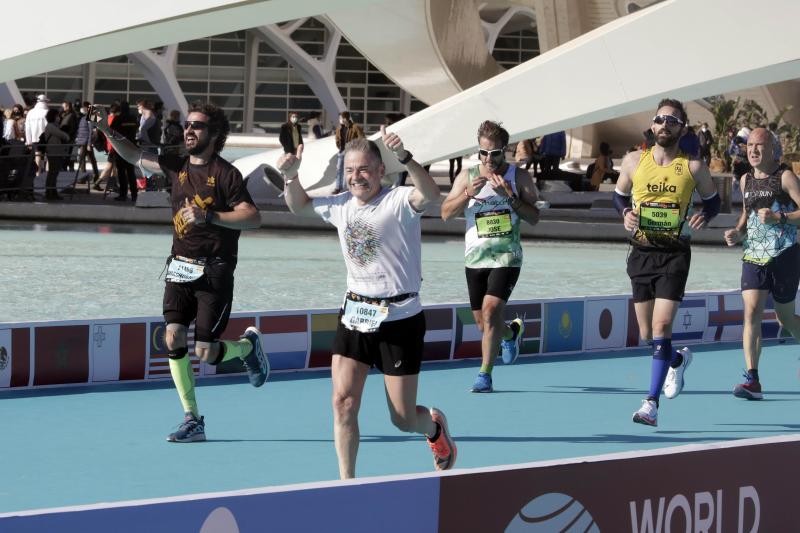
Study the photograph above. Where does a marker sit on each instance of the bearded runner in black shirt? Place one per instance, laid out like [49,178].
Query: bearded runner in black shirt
[210,206]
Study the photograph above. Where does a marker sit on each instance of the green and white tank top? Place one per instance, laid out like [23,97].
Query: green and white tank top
[492,236]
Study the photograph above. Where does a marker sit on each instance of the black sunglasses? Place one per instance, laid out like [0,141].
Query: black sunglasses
[669,119]
[195,125]
[490,153]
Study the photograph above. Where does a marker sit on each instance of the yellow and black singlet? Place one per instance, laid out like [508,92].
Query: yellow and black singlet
[662,196]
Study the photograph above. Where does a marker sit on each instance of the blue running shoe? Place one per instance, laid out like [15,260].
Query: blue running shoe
[509,349]
[193,429]
[256,361]
[483,383]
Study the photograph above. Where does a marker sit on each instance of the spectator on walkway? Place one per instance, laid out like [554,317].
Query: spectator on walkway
[125,124]
[706,141]
[291,135]
[83,138]
[553,149]
[346,131]
[68,122]
[173,134]
[35,123]
[689,143]
[603,167]
[53,137]
[148,134]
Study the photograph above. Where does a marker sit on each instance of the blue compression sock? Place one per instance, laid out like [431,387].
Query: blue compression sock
[662,354]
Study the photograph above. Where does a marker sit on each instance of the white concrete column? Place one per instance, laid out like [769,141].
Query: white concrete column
[250,65]
[159,69]
[9,94]
[319,74]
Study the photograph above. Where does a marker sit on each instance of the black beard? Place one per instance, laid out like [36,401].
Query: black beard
[667,142]
[199,147]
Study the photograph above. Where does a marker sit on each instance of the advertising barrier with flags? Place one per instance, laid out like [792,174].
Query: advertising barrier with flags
[119,350]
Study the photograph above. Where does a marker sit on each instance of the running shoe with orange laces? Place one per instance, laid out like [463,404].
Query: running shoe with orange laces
[443,448]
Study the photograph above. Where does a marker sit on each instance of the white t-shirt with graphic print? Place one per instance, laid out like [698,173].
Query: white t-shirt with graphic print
[381,244]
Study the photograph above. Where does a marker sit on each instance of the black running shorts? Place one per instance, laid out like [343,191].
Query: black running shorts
[497,282]
[208,300]
[395,349]
[658,273]
[781,276]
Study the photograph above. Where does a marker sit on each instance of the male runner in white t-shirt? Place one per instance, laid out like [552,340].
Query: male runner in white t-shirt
[381,322]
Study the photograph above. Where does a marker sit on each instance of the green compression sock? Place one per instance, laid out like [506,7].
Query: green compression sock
[183,376]
[487,369]
[238,349]
[508,334]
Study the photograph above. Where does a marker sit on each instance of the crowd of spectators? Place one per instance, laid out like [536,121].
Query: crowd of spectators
[47,137]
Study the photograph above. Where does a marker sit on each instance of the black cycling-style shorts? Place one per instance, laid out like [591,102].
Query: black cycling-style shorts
[781,276]
[395,349]
[497,282]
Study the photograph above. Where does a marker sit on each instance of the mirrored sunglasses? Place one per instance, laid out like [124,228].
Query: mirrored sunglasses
[490,153]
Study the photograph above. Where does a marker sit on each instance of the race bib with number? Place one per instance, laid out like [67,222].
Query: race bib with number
[363,316]
[660,216]
[185,270]
[493,223]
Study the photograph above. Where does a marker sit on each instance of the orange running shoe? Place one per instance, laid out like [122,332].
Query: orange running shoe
[444,448]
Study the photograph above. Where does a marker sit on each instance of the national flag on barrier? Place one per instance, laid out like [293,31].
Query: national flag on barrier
[285,340]
[118,351]
[690,321]
[323,331]
[605,323]
[158,359]
[61,355]
[438,334]
[467,341]
[531,315]
[15,349]
[563,330]
[725,317]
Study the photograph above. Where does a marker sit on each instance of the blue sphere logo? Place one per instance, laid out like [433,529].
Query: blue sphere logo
[553,512]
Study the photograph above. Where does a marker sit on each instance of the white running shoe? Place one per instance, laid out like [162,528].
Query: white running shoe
[647,413]
[673,385]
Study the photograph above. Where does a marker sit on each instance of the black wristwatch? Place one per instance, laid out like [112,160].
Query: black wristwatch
[409,156]
[783,217]
[209,216]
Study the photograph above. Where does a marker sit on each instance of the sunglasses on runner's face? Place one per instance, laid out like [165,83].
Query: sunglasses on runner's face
[490,153]
[195,125]
[669,119]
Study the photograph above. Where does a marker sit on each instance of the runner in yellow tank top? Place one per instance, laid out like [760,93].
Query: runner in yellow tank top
[659,216]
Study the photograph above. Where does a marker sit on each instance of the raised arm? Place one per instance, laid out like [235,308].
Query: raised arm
[425,189]
[459,196]
[296,198]
[127,150]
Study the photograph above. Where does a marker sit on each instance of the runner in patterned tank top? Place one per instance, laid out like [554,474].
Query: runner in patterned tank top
[654,196]
[494,197]
[771,258]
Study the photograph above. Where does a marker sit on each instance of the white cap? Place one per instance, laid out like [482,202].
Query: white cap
[42,98]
